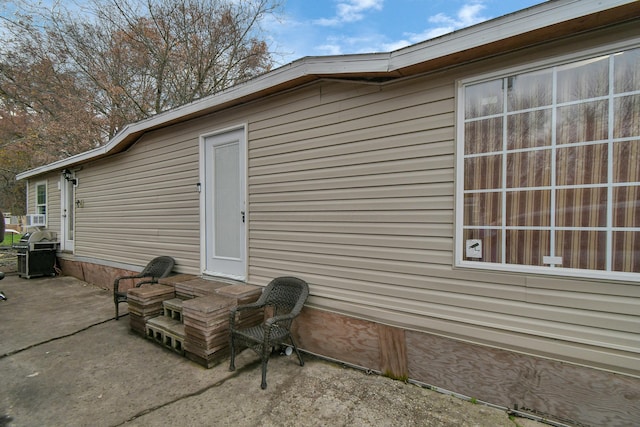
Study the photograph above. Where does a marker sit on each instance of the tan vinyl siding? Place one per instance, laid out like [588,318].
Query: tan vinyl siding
[54,215]
[141,204]
[355,193]
[31,195]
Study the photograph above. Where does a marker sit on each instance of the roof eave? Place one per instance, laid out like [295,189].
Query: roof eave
[512,31]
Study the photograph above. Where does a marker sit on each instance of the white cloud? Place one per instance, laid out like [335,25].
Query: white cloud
[327,22]
[398,44]
[330,49]
[353,10]
[338,45]
[350,11]
[299,38]
[467,15]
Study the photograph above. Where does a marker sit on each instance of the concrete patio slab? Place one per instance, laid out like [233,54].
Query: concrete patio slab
[65,361]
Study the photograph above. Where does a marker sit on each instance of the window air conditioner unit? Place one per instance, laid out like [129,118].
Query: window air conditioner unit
[36,220]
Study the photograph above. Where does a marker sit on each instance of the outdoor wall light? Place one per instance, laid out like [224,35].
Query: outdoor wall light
[69,177]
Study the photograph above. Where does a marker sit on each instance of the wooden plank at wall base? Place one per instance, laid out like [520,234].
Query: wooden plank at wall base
[71,268]
[103,276]
[339,337]
[99,275]
[561,391]
[393,352]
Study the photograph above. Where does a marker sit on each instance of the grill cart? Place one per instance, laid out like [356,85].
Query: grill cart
[37,254]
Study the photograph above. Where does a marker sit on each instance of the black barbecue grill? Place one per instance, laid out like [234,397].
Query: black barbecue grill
[37,254]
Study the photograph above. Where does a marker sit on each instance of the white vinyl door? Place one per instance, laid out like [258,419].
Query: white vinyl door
[67,201]
[224,205]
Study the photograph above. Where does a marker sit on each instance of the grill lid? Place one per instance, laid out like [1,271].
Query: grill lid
[38,236]
[37,240]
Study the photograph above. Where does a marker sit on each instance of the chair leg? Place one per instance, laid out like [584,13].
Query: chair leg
[117,316]
[232,365]
[263,385]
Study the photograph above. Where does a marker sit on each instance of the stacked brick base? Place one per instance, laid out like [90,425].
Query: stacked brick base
[190,315]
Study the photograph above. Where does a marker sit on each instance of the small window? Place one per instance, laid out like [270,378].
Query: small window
[41,198]
[549,174]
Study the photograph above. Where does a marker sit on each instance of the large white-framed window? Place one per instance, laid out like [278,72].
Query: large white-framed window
[548,171]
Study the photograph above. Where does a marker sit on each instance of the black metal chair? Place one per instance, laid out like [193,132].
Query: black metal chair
[285,297]
[156,269]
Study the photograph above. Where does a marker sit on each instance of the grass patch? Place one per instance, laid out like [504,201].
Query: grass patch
[8,239]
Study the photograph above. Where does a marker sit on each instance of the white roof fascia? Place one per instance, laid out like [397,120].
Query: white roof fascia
[347,64]
[545,14]
[60,164]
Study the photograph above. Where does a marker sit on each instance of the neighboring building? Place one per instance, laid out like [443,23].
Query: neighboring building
[13,222]
[466,210]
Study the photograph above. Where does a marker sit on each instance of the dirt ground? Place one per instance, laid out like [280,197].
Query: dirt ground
[65,361]
[8,262]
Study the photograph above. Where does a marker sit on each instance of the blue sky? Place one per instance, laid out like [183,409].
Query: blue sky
[336,27]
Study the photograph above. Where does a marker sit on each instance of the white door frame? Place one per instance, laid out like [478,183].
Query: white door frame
[67,213]
[210,263]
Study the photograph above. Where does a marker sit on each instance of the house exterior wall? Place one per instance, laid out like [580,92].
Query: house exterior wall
[353,191]
[141,204]
[351,187]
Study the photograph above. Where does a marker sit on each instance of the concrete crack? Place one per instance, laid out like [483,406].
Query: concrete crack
[231,375]
[20,350]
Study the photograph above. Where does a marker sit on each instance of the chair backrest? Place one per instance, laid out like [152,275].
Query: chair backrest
[286,295]
[159,267]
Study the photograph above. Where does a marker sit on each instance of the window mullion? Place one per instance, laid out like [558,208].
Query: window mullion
[505,85]
[552,205]
[610,166]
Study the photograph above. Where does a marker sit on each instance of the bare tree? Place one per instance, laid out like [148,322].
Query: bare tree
[72,76]
[144,57]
